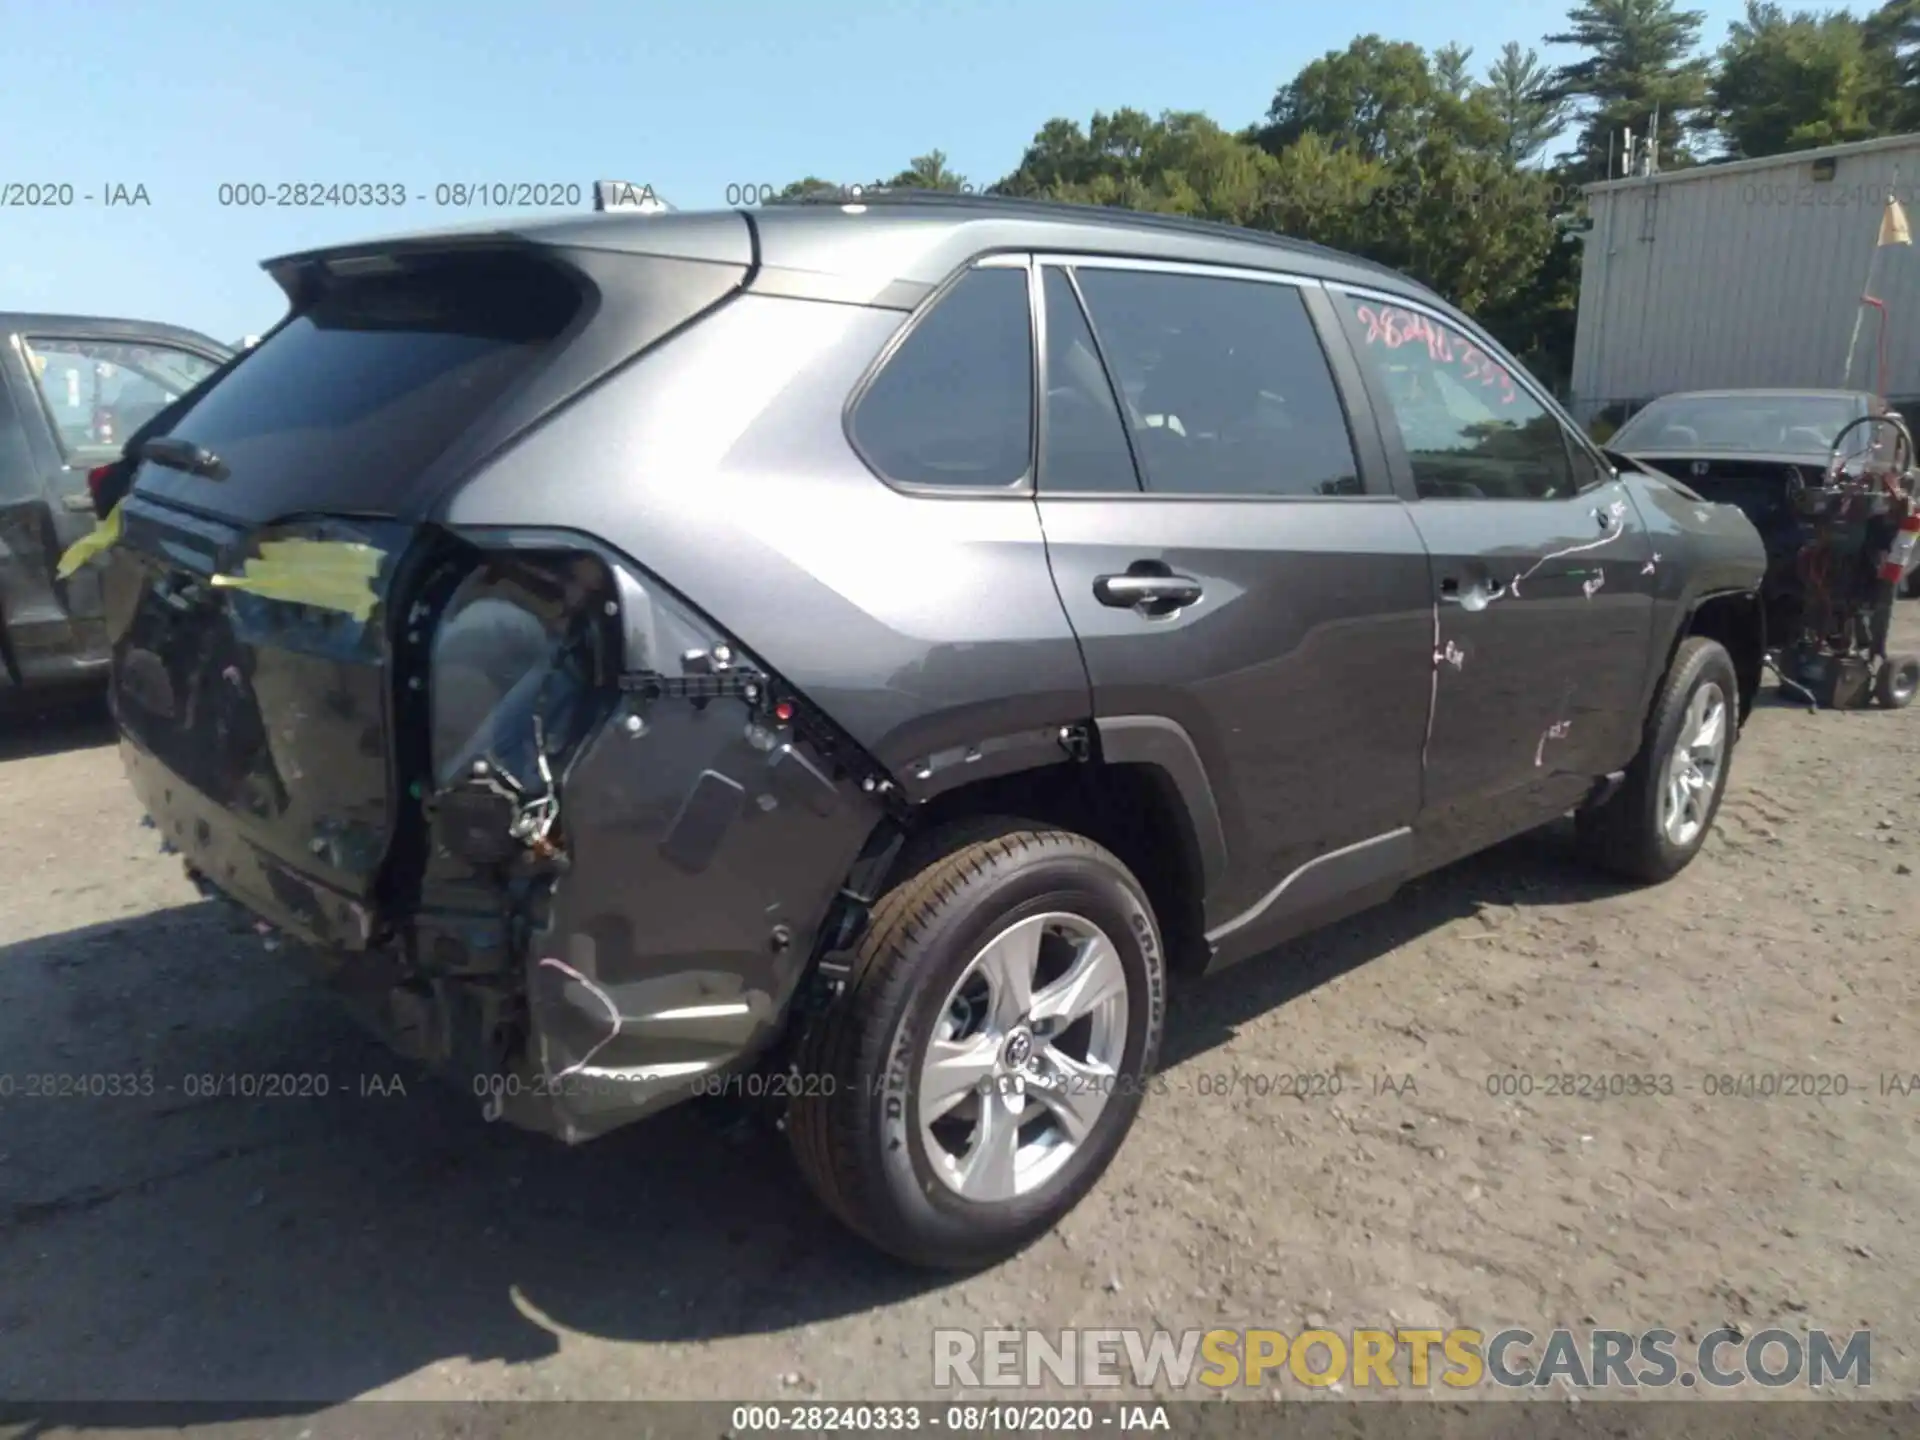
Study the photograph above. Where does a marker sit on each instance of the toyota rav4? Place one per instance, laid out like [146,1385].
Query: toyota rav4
[853,653]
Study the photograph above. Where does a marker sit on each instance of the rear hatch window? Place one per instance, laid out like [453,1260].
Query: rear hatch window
[346,407]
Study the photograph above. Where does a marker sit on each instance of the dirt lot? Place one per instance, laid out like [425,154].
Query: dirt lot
[168,1246]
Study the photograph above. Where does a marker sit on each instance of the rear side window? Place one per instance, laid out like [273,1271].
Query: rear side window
[1225,386]
[358,394]
[953,405]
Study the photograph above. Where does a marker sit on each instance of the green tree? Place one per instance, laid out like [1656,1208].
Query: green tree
[1451,72]
[1112,150]
[1464,220]
[1520,90]
[811,186]
[1332,195]
[1181,163]
[1893,34]
[1639,62]
[1375,97]
[1792,82]
[1396,157]
[929,172]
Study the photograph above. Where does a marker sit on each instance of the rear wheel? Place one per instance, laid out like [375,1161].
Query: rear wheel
[1659,818]
[990,1052]
[1897,681]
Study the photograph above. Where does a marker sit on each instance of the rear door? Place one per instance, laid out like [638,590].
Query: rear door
[1233,560]
[76,392]
[1543,578]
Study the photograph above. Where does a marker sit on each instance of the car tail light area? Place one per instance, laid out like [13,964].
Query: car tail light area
[629,835]
[523,661]
[97,477]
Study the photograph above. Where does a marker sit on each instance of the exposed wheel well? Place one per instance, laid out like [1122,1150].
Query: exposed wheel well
[1133,810]
[1738,623]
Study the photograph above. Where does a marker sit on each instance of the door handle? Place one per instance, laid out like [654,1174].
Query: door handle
[1150,594]
[1605,517]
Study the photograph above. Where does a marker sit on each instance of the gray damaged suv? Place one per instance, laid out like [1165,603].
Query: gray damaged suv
[849,655]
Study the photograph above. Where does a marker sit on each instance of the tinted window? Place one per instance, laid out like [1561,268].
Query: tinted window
[1084,443]
[954,404]
[377,377]
[98,392]
[1226,388]
[1471,432]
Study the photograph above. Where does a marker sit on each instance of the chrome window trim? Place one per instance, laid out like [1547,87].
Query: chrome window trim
[1177,267]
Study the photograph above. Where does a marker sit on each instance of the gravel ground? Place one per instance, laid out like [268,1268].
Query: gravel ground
[384,1241]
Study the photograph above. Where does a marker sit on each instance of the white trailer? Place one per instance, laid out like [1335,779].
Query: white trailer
[1750,274]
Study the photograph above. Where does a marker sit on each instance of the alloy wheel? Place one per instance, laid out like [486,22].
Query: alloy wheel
[1024,1058]
[1693,773]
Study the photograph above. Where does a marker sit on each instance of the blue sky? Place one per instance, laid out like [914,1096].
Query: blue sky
[691,98]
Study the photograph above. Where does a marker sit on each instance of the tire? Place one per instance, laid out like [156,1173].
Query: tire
[856,1129]
[1897,681]
[1627,836]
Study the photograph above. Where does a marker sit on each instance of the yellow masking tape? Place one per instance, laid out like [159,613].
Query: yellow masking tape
[329,574]
[103,534]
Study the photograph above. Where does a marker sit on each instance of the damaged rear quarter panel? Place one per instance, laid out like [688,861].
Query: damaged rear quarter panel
[706,848]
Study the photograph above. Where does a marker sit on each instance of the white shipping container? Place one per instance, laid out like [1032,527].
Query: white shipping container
[1749,274]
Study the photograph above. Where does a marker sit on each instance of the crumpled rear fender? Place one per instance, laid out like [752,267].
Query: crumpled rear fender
[707,851]
[705,828]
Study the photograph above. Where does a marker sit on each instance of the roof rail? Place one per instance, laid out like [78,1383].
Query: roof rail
[1077,210]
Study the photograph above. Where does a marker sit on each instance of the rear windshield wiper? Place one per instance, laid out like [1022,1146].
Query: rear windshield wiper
[183,455]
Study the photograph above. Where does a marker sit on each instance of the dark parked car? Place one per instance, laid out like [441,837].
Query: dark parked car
[848,656]
[73,388]
[1753,448]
